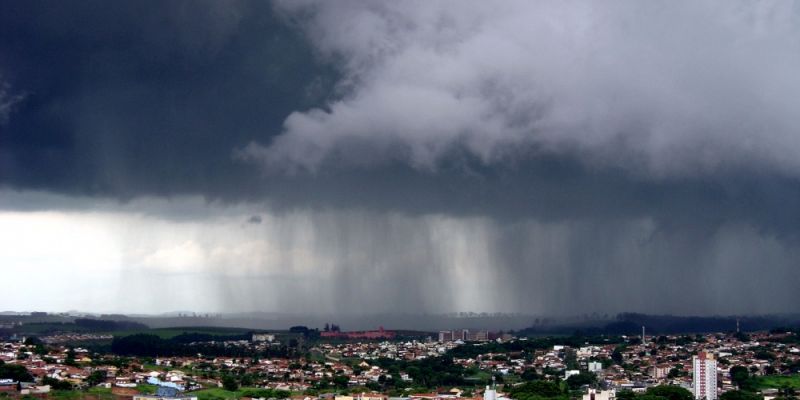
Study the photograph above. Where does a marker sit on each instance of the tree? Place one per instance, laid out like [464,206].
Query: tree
[536,389]
[670,392]
[96,378]
[247,380]
[674,373]
[70,360]
[341,381]
[571,359]
[739,395]
[583,378]
[616,355]
[626,395]
[229,383]
[530,375]
[15,372]
[56,384]
[739,376]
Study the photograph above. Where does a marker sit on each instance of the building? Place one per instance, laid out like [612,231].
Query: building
[595,366]
[490,393]
[464,335]
[704,376]
[8,386]
[477,336]
[446,336]
[593,394]
[379,334]
[660,371]
[263,337]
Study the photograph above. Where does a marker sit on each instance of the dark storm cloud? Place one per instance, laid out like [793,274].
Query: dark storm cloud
[127,99]
[135,98]
[8,101]
[555,150]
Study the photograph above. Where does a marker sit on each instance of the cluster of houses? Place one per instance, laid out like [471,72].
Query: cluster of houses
[636,365]
[665,360]
[399,350]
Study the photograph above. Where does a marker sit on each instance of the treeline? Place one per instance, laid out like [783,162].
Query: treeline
[631,324]
[103,325]
[80,325]
[577,340]
[194,337]
[146,345]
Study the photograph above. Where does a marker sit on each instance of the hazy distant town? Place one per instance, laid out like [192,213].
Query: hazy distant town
[98,359]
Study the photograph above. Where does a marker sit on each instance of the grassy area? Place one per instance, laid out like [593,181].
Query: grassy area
[169,333]
[222,394]
[146,388]
[778,381]
[215,394]
[479,376]
[94,393]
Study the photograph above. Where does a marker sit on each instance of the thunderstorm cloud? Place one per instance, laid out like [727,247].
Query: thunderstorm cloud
[356,158]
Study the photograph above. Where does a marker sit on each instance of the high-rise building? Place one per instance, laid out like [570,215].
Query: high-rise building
[704,376]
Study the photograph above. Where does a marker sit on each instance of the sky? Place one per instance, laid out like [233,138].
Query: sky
[415,157]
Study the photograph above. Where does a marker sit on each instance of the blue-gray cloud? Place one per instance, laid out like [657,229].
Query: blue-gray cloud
[660,90]
[561,151]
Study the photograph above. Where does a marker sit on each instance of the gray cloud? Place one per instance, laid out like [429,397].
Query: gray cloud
[8,100]
[540,157]
[685,89]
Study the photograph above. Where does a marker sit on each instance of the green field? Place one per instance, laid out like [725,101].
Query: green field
[778,382]
[222,394]
[479,376]
[94,393]
[215,394]
[169,333]
[164,333]
[146,388]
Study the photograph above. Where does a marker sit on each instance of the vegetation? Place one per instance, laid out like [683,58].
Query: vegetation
[14,372]
[663,392]
[670,392]
[230,383]
[147,345]
[223,394]
[56,384]
[584,378]
[739,395]
[95,393]
[537,390]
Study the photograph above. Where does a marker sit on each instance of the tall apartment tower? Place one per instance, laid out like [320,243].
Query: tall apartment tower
[704,376]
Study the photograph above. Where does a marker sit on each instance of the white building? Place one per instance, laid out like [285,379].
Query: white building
[263,337]
[490,393]
[595,366]
[704,376]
